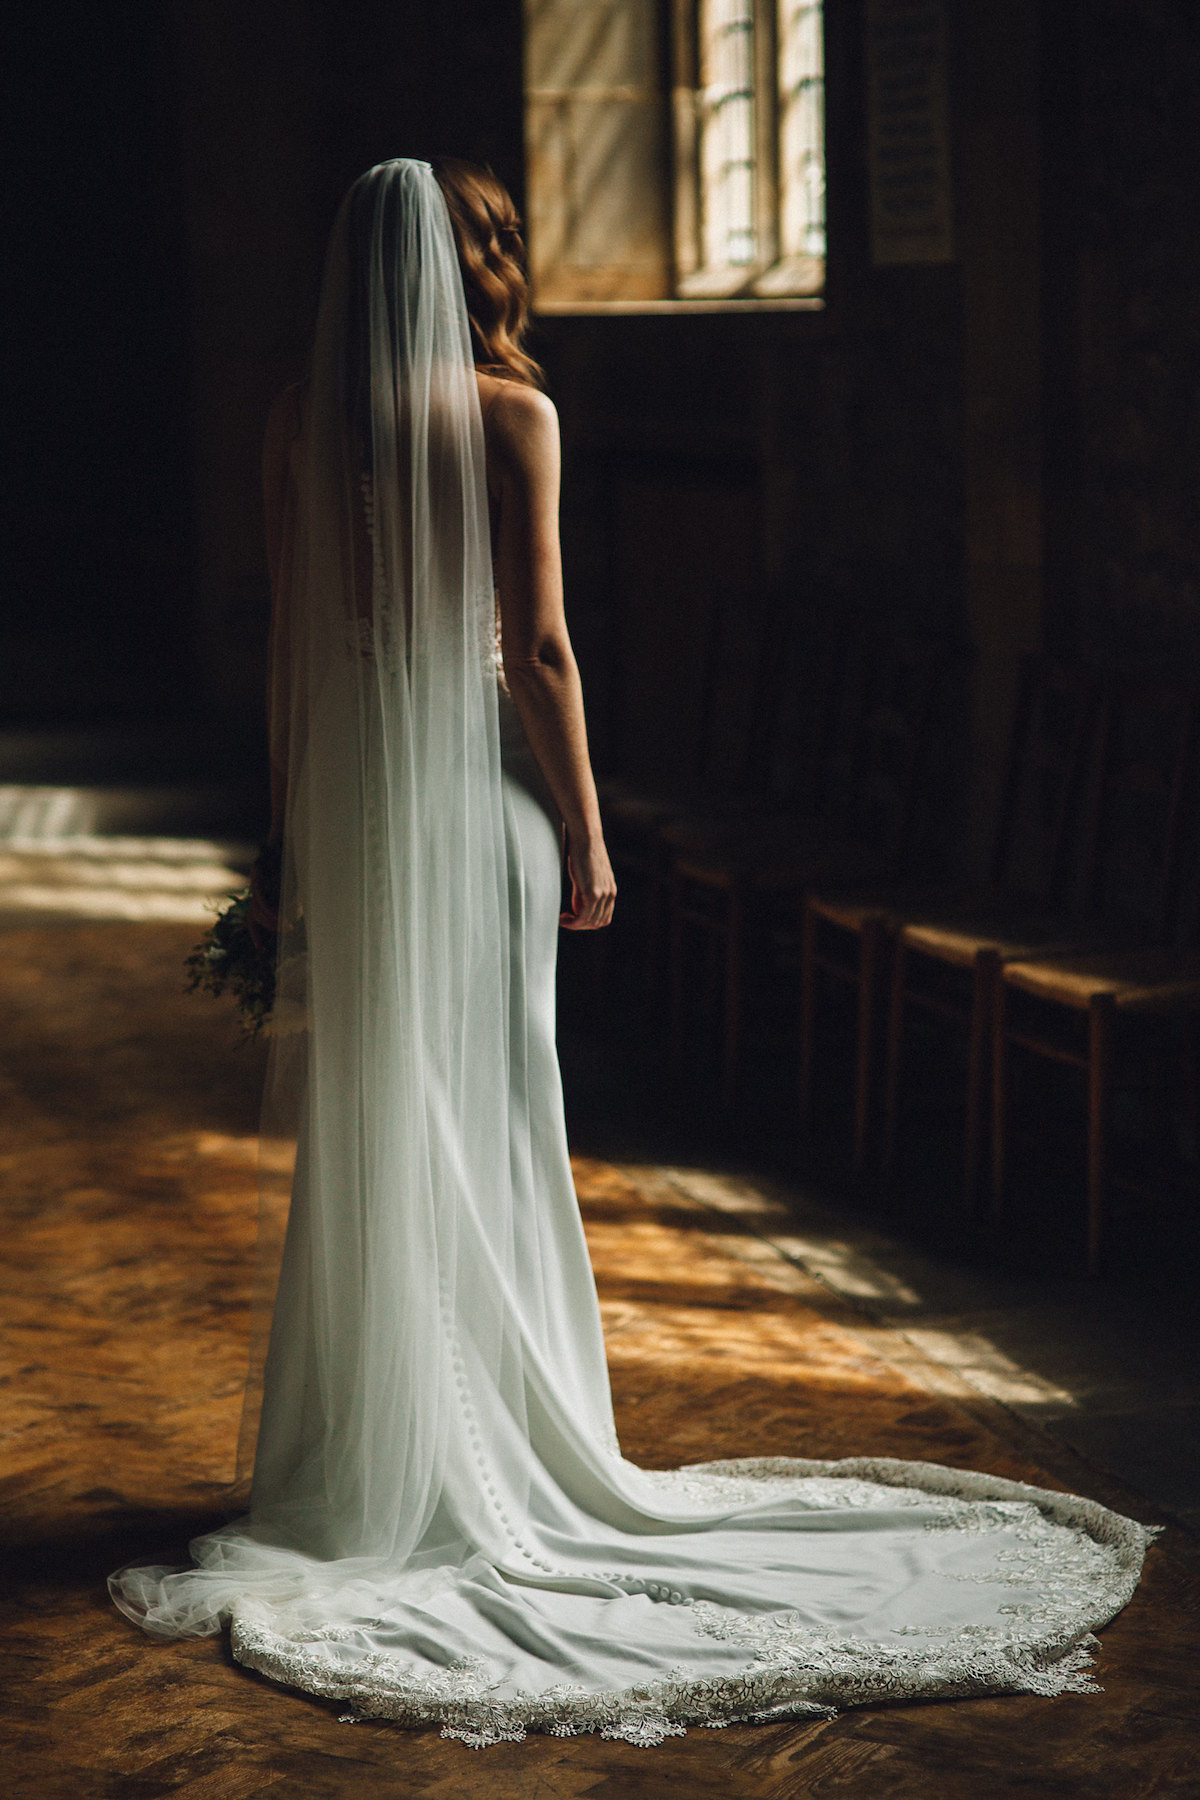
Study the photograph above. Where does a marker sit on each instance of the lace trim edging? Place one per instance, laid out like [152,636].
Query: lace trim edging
[458,1699]
[788,1675]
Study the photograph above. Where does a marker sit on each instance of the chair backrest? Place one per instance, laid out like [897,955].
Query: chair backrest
[894,683]
[842,725]
[799,707]
[1142,805]
[675,560]
[1052,761]
[1186,934]
[731,691]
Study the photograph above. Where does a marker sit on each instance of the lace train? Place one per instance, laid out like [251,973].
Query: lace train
[567,1590]
[1067,1563]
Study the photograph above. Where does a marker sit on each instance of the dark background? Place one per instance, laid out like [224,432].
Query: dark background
[1004,448]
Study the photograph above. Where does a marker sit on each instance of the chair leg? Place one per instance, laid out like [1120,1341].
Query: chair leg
[731,1040]
[677,971]
[1193,1077]
[983,988]
[808,1007]
[658,900]
[600,973]
[868,965]
[895,1045]
[1000,1081]
[1102,1014]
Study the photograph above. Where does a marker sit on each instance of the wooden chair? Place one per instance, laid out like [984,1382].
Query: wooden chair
[797,748]
[859,823]
[1148,971]
[723,770]
[945,945]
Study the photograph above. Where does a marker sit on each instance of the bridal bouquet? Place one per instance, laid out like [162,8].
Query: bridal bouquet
[239,954]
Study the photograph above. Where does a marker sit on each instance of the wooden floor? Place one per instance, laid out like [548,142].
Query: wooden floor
[128,1183]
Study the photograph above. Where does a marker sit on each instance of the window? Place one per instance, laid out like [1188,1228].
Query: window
[705,189]
[725,103]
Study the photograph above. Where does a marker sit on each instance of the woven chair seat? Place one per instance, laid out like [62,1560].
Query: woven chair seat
[958,932]
[1147,980]
[694,814]
[731,824]
[776,859]
[852,907]
[636,812]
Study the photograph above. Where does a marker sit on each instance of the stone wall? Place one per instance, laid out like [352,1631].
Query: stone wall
[284,104]
[1000,450]
[810,460]
[1124,349]
[173,174]
[94,580]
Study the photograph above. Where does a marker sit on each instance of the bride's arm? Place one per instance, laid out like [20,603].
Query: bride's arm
[539,664]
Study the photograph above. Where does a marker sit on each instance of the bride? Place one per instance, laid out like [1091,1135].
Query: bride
[442,1528]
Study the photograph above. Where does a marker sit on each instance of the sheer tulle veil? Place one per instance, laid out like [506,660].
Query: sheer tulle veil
[388,1066]
[394,873]
[394,909]
[442,1527]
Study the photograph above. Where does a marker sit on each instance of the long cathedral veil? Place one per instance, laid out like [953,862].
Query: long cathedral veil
[394,1299]
[393,910]
[442,1527]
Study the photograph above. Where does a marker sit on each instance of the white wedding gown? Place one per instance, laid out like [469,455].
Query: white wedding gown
[443,1530]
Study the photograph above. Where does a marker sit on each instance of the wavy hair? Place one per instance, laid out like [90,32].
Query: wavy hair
[491,255]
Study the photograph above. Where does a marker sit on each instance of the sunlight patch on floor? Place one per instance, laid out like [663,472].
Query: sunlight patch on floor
[979,1361]
[852,1272]
[184,880]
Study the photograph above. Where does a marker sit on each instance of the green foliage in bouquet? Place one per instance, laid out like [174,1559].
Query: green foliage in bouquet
[237,958]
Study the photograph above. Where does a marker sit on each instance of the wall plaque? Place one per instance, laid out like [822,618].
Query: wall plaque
[908,135]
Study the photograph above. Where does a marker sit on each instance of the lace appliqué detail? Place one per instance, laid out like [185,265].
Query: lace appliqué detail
[375,639]
[1079,1560]
[371,642]
[460,1699]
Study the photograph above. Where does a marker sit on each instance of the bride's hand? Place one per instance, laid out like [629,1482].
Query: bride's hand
[593,887]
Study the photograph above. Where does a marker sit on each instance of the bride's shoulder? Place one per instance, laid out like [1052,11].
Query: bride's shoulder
[521,423]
